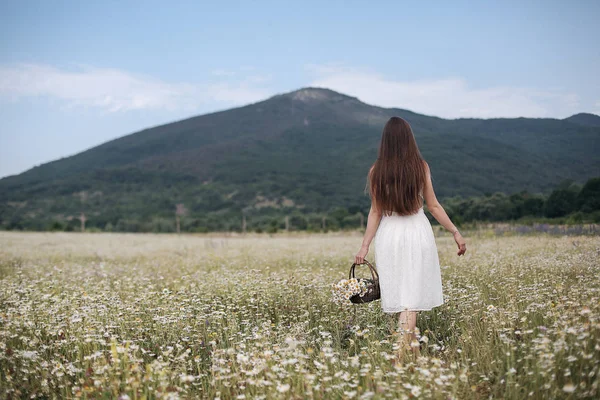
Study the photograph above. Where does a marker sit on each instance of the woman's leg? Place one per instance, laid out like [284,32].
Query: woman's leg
[407,322]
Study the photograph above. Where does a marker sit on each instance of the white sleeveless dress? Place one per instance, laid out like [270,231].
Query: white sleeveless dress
[407,261]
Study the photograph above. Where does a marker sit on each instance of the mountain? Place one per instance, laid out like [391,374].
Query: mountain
[308,151]
[585,119]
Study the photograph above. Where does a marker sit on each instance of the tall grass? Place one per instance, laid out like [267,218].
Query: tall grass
[159,316]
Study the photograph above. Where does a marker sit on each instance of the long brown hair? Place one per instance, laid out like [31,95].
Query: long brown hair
[398,175]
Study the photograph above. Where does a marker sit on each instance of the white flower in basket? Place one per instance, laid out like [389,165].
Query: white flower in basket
[357,290]
[346,288]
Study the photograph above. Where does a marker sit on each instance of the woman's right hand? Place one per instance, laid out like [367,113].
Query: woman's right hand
[360,256]
[460,242]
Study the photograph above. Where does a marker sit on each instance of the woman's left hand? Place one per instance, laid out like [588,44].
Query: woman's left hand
[360,256]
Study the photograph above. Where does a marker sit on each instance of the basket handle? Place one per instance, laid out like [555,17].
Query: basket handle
[374,273]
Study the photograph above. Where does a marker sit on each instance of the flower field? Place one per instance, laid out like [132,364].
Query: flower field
[137,316]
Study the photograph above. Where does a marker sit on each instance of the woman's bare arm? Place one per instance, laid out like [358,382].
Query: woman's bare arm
[438,212]
[435,208]
[372,224]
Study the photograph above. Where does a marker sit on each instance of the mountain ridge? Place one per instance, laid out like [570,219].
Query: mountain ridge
[574,118]
[586,119]
[311,146]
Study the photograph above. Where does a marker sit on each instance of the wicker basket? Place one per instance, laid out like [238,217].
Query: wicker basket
[373,291]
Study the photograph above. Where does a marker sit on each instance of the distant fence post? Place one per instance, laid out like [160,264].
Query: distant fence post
[180,210]
[82,219]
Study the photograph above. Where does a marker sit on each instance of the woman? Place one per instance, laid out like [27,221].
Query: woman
[405,250]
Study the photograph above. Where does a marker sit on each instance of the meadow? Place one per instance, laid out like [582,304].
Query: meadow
[142,316]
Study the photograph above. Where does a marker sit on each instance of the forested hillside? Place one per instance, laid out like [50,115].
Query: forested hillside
[302,153]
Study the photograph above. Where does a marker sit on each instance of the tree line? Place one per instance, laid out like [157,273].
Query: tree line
[568,203]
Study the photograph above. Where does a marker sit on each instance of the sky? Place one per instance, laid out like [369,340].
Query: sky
[76,74]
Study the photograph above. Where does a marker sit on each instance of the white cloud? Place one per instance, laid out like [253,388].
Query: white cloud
[117,90]
[448,98]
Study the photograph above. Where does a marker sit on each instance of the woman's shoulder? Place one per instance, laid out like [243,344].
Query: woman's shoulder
[427,170]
